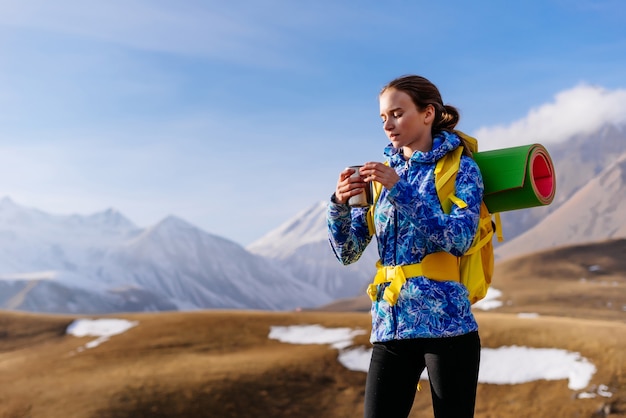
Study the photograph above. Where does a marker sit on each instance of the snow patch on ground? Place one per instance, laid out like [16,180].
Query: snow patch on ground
[506,365]
[490,301]
[338,338]
[101,328]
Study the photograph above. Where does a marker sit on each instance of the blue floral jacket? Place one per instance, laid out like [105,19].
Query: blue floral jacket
[410,224]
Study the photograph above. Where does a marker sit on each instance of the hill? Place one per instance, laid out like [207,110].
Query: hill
[580,281]
[222,364]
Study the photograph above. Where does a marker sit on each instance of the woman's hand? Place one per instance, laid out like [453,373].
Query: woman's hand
[348,185]
[381,173]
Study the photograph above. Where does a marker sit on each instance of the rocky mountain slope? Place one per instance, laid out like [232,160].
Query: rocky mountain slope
[597,211]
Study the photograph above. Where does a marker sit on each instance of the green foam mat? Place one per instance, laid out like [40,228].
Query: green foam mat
[517,178]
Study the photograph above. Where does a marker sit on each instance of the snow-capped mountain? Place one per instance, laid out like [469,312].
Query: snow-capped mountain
[301,247]
[197,269]
[32,240]
[104,263]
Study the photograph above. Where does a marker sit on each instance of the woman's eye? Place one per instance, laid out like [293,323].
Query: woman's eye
[397,115]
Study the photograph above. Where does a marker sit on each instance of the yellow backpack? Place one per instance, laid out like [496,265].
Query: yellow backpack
[476,265]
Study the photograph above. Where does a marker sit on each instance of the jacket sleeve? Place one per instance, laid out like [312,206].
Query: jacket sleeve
[452,232]
[347,231]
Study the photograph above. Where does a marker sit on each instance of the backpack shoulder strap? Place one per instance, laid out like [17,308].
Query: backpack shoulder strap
[445,176]
[468,141]
[376,189]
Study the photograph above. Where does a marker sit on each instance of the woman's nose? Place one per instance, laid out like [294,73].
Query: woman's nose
[387,126]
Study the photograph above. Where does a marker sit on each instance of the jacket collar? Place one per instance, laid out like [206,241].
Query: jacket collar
[443,142]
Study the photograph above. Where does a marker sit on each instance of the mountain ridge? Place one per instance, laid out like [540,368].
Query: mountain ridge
[102,263]
[115,265]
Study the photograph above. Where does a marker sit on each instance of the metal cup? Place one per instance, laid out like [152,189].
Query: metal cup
[364,198]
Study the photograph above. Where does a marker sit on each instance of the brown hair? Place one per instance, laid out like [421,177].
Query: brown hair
[424,93]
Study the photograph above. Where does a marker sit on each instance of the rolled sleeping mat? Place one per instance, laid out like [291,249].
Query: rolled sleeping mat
[517,178]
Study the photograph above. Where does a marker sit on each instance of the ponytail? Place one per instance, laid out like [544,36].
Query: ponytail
[446,118]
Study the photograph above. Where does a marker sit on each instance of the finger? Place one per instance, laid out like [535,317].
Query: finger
[351,184]
[352,192]
[374,165]
[346,173]
[374,168]
[367,168]
[372,174]
[345,191]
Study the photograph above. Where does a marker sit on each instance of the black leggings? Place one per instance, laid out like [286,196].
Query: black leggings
[396,366]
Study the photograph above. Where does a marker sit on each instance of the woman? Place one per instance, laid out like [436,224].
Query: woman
[430,324]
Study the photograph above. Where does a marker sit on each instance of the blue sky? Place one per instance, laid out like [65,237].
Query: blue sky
[236,115]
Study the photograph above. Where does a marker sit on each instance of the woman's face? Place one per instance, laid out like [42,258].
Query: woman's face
[404,124]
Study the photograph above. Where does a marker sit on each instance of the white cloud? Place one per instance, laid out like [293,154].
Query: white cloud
[580,110]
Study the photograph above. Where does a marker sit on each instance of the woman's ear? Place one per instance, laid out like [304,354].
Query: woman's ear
[429,114]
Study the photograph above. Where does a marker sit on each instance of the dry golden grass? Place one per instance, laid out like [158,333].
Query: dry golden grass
[559,282]
[222,363]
